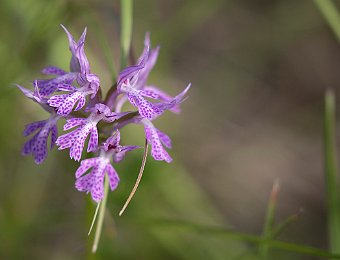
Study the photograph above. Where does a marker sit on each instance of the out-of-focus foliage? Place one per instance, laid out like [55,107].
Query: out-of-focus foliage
[258,68]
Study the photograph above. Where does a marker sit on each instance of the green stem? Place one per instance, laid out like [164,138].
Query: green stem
[330,13]
[101,216]
[126,30]
[331,172]
[269,221]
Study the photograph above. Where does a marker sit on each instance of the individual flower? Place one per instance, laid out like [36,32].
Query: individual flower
[37,145]
[75,139]
[132,78]
[132,81]
[80,72]
[93,181]
[154,136]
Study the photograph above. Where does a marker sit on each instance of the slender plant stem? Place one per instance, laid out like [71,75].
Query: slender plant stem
[330,13]
[126,30]
[103,42]
[101,215]
[331,172]
[332,16]
[140,175]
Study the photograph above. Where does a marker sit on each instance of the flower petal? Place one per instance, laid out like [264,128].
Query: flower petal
[73,122]
[68,103]
[67,140]
[54,135]
[163,96]
[57,100]
[93,142]
[145,108]
[165,139]
[85,165]
[113,176]
[81,103]
[78,145]
[52,70]
[48,86]
[157,150]
[30,128]
[97,190]
[66,87]
[85,182]
[39,147]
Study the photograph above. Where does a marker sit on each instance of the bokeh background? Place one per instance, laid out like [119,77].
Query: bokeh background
[258,69]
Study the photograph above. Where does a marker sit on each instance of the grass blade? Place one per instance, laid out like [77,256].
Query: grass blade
[101,216]
[253,239]
[269,221]
[331,172]
[330,13]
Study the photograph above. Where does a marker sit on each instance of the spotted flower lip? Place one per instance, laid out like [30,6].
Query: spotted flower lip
[93,181]
[37,145]
[75,140]
[157,139]
[64,103]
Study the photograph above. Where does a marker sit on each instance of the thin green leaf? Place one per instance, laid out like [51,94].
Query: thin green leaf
[277,230]
[257,240]
[269,220]
[331,172]
[101,215]
[330,13]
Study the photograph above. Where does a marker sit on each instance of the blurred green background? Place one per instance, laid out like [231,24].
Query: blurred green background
[258,69]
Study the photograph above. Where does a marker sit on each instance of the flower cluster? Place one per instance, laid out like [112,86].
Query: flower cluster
[75,97]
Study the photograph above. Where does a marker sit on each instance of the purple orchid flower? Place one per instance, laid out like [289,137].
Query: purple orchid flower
[93,182]
[75,139]
[80,72]
[132,81]
[37,145]
[154,136]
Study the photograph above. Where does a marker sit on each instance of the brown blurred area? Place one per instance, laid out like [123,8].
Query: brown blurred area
[259,70]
